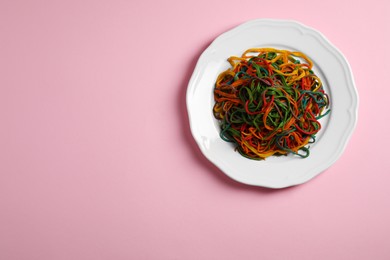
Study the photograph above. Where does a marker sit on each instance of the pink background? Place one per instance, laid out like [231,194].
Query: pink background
[97,159]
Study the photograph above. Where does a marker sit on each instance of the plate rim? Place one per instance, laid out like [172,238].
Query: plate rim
[352,110]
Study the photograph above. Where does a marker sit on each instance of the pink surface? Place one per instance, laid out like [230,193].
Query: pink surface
[96,156]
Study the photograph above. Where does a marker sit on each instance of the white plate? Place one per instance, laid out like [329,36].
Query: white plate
[329,64]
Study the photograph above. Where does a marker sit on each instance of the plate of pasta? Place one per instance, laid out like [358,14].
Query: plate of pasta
[272,103]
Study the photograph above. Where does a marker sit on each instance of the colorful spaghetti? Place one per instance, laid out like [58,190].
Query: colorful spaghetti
[269,103]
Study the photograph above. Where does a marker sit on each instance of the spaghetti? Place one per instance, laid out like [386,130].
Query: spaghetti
[269,103]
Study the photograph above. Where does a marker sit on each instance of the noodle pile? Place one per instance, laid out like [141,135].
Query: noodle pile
[269,103]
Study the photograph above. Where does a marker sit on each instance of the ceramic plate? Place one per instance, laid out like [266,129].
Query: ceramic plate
[329,64]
